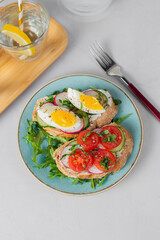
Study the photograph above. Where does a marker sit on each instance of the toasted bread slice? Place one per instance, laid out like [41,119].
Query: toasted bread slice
[122,157]
[52,131]
[101,120]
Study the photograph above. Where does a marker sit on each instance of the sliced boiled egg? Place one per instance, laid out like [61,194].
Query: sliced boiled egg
[84,102]
[60,117]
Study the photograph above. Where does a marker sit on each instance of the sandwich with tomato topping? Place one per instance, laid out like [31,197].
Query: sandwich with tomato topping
[95,153]
[67,113]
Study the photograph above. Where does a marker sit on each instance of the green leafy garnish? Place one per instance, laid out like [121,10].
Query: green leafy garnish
[77,146]
[81,106]
[65,90]
[88,134]
[104,132]
[49,99]
[110,138]
[120,120]
[116,101]
[105,163]
[67,103]
[35,137]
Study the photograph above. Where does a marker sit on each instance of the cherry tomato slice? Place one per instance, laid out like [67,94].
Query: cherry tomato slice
[88,140]
[112,139]
[104,160]
[80,160]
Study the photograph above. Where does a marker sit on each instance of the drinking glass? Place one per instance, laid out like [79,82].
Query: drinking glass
[85,7]
[35,26]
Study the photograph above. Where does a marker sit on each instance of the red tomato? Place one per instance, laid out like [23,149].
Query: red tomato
[114,135]
[80,160]
[104,160]
[88,140]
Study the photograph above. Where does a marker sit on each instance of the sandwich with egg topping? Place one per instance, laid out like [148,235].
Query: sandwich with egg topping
[67,113]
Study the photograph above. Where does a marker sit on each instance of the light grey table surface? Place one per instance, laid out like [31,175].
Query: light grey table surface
[131,210]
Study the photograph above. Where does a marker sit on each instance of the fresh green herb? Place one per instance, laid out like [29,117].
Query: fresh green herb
[104,132]
[120,120]
[81,106]
[55,92]
[67,154]
[85,153]
[78,180]
[35,137]
[102,180]
[116,101]
[84,166]
[77,146]
[88,134]
[105,162]
[67,103]
[110,138]
[49,99]
[65,90]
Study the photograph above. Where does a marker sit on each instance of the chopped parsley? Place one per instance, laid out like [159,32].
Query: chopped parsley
[110,137]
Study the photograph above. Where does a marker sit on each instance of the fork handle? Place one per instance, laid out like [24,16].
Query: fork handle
[144,100]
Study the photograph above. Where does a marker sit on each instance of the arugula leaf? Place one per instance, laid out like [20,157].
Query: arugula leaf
[55,92]
[67,103]
[77,146]
[50,99]
[35,137]
[120,120]
[116,101]
[65,90]
[102,180]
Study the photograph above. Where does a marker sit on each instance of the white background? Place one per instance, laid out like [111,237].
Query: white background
[130,30]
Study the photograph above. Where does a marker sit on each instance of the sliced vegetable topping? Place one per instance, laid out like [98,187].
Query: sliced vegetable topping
[89,140]
[79,160]
[111,137]
[104,160]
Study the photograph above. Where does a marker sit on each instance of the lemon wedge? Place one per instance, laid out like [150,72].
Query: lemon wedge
[20,37]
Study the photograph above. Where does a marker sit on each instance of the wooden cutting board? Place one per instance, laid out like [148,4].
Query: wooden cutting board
[16,76]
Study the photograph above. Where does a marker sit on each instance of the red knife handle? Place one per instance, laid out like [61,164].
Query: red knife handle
[144,100]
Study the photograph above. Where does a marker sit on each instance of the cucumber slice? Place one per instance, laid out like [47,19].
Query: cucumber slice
[105,100]
[41,123]
[84,116]
[119,148]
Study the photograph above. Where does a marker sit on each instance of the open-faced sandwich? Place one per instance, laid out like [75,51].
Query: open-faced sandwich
[67,113]
[96,153]
[81,139]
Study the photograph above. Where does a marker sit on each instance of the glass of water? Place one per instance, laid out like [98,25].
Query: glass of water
[86,7]
[35,26]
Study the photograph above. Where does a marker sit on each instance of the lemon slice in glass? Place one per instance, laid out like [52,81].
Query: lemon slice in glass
[20,37]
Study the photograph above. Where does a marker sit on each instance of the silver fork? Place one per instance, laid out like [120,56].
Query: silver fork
[113,69]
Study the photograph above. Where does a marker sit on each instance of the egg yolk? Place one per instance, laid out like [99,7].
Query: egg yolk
[90,102]
[63,118]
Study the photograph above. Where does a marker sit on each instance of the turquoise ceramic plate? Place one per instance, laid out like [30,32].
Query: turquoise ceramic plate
[133,124]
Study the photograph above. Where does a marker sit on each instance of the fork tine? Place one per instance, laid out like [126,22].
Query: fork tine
[105,55]
[98,59]
[101,53]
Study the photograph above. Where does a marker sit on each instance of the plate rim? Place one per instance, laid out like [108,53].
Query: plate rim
[114,184]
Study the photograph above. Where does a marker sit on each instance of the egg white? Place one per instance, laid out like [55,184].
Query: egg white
[45,111]
[74,97]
